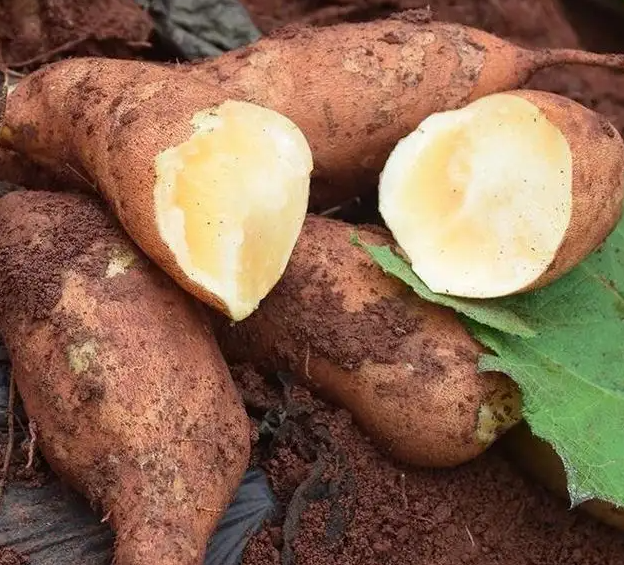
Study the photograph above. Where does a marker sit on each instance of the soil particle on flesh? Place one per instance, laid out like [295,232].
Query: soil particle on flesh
[37,31]
[342,503]
[530,23]
[11,557]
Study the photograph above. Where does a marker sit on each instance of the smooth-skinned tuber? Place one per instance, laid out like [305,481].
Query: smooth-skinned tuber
[214,190]
[355,89]
[207,165]
[539,460]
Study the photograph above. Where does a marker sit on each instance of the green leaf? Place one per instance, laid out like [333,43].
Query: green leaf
[486,312]
[571,371]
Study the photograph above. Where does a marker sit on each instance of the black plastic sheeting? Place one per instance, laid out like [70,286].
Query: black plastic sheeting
[201,28]
[53,525]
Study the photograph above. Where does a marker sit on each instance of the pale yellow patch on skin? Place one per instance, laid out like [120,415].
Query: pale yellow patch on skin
[179,488]
[121,259]
[82,356]
[497,417]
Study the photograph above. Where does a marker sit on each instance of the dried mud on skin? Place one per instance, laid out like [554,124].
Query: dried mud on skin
[342,503]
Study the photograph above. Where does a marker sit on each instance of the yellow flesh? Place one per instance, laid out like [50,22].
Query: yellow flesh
[231,201]
[480,198]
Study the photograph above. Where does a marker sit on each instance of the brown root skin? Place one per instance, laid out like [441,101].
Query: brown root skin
[168,158]
[546,172]
[597,152]
[115,137]
[406,369]
[124,113]
[134,404]
[541,462]
[355,89]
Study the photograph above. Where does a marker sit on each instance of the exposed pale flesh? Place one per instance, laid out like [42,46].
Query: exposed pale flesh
[231,201]
[480,198]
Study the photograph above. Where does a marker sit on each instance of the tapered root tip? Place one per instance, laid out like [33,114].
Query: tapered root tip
[554,57]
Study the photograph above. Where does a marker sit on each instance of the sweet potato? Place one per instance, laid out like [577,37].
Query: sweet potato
[541,462]
[405,368]
[223,223]
[355,89]
[213,190]
[133,402]
[504,195]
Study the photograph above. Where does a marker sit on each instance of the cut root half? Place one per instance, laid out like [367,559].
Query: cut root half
[231,201]
[480,198]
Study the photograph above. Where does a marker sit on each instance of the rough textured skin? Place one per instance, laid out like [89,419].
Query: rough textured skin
[133,402]
[355,89]
[108,119]
[597,178]
[406,369]
[540,460]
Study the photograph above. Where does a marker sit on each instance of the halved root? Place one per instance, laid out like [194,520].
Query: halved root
[480,198]
[230,202]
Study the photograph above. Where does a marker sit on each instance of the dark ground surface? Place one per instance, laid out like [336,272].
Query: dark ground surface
[341,502]
[344,504]
[34,31]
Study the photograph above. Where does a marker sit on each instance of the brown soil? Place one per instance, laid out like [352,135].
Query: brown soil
[344,504]
[17,171]
[40,285]
[35,31]
[531,23]
[10,557]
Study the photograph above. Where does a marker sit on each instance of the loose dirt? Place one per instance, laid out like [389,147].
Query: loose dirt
[342,503]
[10,557]
[36,31]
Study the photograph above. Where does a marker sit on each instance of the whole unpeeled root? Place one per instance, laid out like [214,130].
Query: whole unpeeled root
[355,89]
[213,190]
[133,402]
[504,195]
[540,460]
[405,368]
